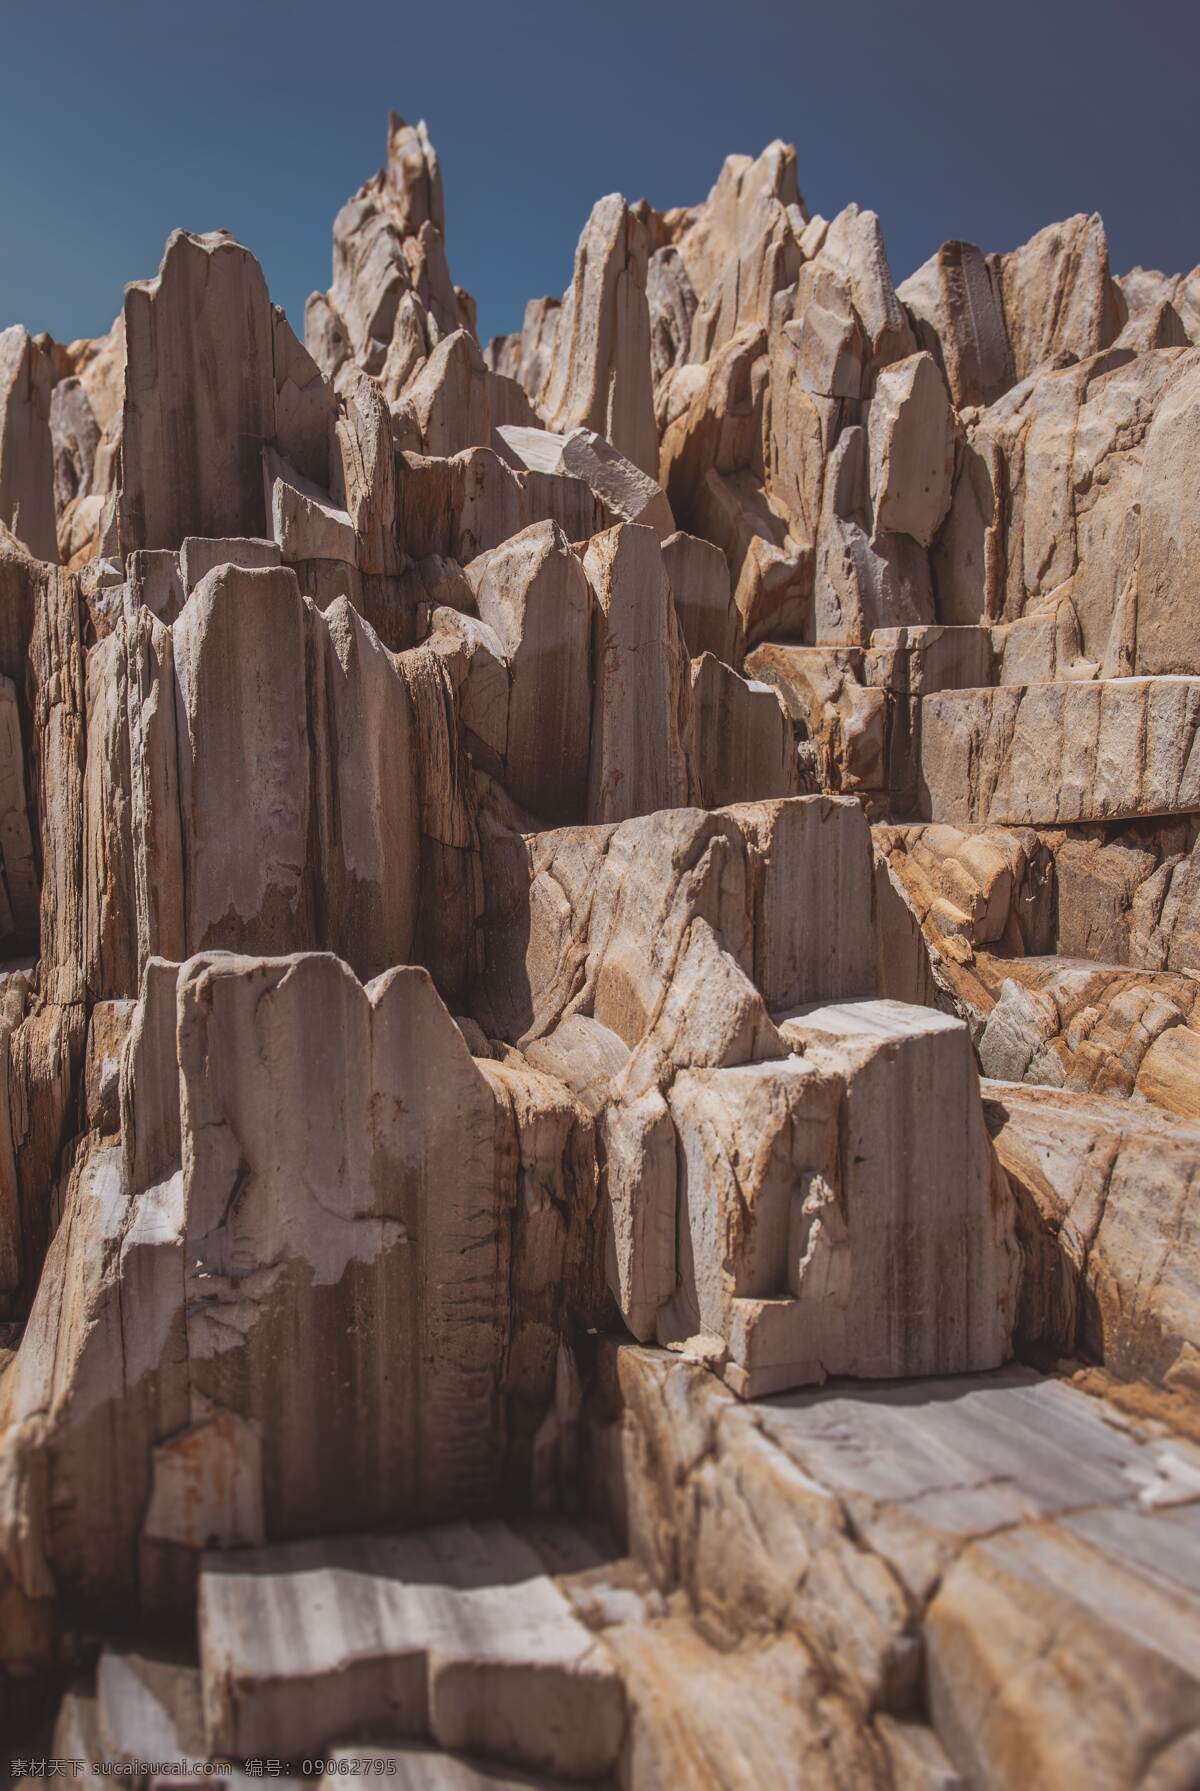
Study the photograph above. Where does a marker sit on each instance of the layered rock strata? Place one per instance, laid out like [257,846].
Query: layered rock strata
[513,860]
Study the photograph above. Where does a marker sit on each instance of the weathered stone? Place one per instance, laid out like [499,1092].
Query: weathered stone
[911,448]
[745,748]
[385,657]
[1106,1240]
[641,714]
[744,245]
[207,308]
[699,575]
[672,303]
[598,375]
[1170,544]
[955,303]
[786,1265]
[1058,295]
[463,1638]
[304,522]
[533,593]
[822,694]
[628,494]
[1089,1026]
[26,447]
[75,435]
[1061,752]
[1111,1594]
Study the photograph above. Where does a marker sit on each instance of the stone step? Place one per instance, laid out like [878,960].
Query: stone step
[1043,754]
[1024,1556]
[457,1635]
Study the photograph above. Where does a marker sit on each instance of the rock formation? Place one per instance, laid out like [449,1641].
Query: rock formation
[600,1015]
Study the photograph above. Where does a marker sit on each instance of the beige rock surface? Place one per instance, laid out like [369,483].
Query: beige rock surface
[1052,753]
[1106,1194]
[641,712]
[598,373]
[26,448]
[481,1649]
[511,863]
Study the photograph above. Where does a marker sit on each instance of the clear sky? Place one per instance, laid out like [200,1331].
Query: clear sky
[948,117]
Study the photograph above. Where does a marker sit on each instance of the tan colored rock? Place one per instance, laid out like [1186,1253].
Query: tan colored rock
[386,657]
[822,693]
[641,714]
[304,523]
[75,435]
[778,1262]
[696,1711]
[14,999]
[480,1649]
[598,376]
[1105,1238]
[208,306]
[457,401]
[627,493]
[1058,294]
[594,921]
[911,436]
[1097,1593]
[744,743]
[955,303]
[26,447]
[388,246]
[1048,753]
[864,578]
[531,348]
[20,886]
[1166,569]
[974,887]
[474,501]
[1084,1026]
[743,246]
[533,593]
[364,479]
[672,303]
[253,889]
[346,1231]
[371,855]
[1145,289]
[699,575]
[57,704]
[838,1514]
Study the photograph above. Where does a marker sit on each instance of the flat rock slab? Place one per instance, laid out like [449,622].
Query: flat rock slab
[455,1633]
[1041,754]
[992,1525]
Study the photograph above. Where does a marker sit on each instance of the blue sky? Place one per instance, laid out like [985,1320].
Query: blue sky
[122,121]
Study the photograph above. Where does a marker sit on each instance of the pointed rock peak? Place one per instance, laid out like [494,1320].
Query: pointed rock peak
[414,175]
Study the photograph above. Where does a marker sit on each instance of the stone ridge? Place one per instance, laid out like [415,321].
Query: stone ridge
[513,860]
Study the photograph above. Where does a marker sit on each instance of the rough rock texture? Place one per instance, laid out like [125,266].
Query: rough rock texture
[512,863]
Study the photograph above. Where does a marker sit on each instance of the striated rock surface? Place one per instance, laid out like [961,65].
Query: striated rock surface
[513,861]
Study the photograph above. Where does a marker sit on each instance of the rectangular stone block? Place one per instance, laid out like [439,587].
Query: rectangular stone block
[1051,753]
[456,1633]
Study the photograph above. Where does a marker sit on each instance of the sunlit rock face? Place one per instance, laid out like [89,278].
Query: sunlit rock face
[599,1018]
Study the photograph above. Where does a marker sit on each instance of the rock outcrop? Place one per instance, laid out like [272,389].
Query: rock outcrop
[513,861]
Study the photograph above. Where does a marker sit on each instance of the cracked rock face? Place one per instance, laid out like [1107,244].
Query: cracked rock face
[513,860]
